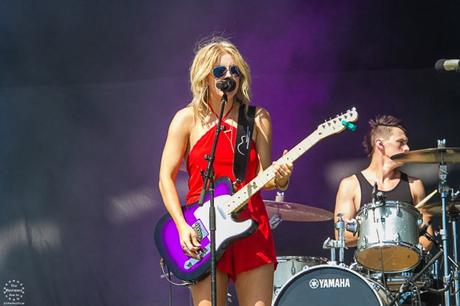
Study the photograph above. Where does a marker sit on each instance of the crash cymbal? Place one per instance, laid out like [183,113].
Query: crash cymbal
[429,156]
[297,212]
[435,209]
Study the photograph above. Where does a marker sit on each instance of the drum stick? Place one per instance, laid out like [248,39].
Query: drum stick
[422,202]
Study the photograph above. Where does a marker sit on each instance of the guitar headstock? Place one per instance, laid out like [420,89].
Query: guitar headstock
[339,123]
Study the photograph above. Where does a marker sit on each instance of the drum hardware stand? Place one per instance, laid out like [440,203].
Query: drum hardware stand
[337,244]
[378,200]
[340,226]
[414,278]
[276,219]
[455,272]
[444,190]
[330,244]
[453,215]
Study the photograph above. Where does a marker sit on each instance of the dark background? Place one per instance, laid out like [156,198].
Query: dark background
[88,88]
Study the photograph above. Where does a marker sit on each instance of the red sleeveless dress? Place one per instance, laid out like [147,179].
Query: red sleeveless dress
[257,249]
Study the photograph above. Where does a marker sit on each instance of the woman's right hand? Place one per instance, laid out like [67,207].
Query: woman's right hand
[189,240]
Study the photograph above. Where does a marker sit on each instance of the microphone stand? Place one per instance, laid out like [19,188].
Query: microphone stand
[208,177]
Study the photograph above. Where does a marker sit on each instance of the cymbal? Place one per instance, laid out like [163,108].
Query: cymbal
[429,156]
[297,212]
[436,208]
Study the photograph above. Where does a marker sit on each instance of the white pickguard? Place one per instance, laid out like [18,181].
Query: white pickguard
[226,227]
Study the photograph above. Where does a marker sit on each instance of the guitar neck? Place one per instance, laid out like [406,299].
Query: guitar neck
[240,198]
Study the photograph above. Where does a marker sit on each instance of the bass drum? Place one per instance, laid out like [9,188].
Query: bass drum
[326,285]
[288,266]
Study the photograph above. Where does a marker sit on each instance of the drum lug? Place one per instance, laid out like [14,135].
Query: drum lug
[364,242]
[293,270]
[398,210]
[419,222]
[397,238]
[374,286]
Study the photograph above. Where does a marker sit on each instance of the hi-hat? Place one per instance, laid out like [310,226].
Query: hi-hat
[435,209]
[297,212]
[429,156]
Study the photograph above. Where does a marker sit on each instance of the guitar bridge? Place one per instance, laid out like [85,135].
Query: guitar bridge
[191,262]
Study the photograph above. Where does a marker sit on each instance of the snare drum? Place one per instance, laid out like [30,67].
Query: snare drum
[288,266]
[327,285]
[388,236]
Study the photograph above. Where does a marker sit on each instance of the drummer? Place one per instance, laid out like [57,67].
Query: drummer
[386,137]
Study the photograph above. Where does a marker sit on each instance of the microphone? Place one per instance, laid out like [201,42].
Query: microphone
[226,85]
[447,65]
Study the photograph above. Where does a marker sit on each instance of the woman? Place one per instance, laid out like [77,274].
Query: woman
[250,261]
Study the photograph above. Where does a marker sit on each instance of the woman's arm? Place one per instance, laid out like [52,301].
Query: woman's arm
[264,150]
[173,154]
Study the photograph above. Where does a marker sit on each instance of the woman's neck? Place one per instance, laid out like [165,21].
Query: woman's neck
[216,105]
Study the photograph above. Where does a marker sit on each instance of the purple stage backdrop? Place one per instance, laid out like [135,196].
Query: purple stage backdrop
[87,90]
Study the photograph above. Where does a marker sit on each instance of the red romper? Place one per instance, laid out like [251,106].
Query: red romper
[257,249]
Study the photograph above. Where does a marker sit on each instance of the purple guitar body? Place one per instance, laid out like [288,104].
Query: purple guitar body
[227,230]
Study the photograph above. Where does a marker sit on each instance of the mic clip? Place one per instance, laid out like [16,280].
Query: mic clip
[378,197]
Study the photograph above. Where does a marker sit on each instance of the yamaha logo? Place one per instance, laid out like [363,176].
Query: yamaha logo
[325,283]
[314,283]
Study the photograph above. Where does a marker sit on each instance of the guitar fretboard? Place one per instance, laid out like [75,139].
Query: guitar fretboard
[239,199]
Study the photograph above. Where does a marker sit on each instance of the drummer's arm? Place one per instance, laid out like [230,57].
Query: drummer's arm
[418,194]
[345,204]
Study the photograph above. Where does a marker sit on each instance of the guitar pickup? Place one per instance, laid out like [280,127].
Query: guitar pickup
[200,229]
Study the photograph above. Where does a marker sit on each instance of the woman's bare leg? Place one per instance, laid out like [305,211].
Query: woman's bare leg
[201,292]
[255,287]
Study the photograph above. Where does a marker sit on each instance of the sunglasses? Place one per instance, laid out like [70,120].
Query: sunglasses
[220,71]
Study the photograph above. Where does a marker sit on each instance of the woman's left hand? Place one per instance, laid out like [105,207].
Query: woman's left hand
[282,173]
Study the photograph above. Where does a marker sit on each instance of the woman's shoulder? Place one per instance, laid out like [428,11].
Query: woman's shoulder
[262,114]
[260,109]
[185,117]
[185,114]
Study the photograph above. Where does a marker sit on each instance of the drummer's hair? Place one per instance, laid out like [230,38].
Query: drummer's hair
[380,126]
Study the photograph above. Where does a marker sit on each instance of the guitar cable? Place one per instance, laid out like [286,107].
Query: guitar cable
[167,276]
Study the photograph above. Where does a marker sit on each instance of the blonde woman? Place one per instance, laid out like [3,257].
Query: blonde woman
[250,261]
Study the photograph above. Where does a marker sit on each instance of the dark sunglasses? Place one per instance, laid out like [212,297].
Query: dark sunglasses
[220,71]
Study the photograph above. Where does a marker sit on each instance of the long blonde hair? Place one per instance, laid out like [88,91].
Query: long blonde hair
[207,55]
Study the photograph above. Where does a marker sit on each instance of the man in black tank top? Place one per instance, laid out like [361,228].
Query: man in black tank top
[401,192]
[386,137]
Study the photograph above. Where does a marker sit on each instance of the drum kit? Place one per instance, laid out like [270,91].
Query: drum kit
[390,266]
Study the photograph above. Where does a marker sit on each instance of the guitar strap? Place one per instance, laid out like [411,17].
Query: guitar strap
[244,133]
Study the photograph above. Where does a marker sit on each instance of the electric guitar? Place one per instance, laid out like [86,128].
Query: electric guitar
[226,205]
